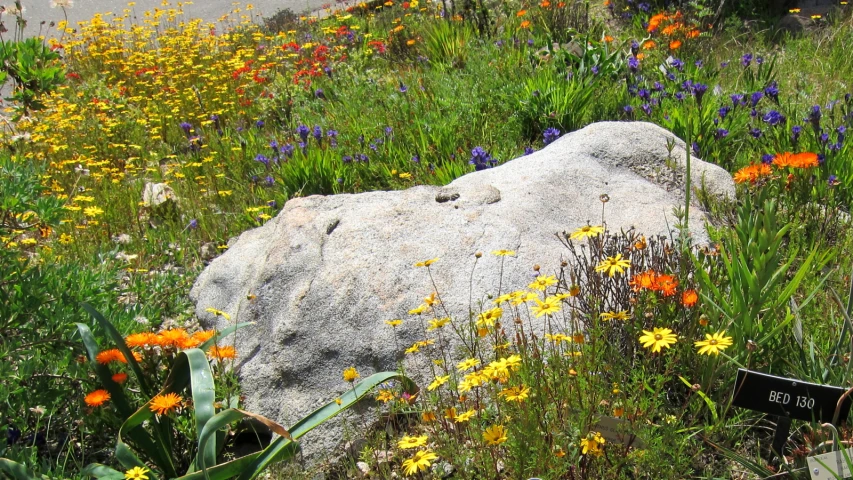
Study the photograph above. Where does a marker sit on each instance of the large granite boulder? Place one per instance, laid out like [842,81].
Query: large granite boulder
[328,271]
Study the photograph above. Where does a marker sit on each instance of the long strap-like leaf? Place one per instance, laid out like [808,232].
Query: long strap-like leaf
[277,451]
[119,342]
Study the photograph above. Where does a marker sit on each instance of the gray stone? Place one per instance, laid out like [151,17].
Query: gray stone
[156,194]
[328,271]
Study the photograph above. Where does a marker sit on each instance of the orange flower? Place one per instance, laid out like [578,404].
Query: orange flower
[796,160]
[655,21]
[120,377]
[689,298]
[692,34]
[525,24]
[640,56]
[675,44]
[671,28]
[111,355]
[644,280]
[804,160]
[188,342]
[97,398]
[752,173]
[204,335]
[667,284]
[649,44]
[520,13]
[137,340]
[221,353]
[545,4]
[561,4]
[163,404]
[608,38]
[172,337]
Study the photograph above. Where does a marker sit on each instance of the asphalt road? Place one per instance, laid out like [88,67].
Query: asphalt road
[36,11]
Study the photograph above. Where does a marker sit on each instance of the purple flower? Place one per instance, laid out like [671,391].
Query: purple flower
[303,132]
[272,204]
[528,150]
[795,133]
[755,98]
[274,146]
[347,159]
[833,181]
[259,124]
[480,158]
[772,91]
[633,63]
[193,224]
[360,157]
[737,99]
[499,43]
[679,96]
[388,131]
[263,159]
[670,76]
[319,94]
[644,94]
[647,109]
[724,64]
[303,146]
[186,127]
[699,63]
[755,132]
[628,109]
[333,137]
[746,59]
[287,150]
[721,133]
[699,90]
[403,88]
[416,158]
[759,60]
[549,135]
[723,111]
[373,147]
[318,133]
[695,148]
[635,47]
[767,158]
[678,64]
[773,118]
[328,71]
[824,137]
[594,69]
[644,7]
[814,117]
[657,87]
[269,181]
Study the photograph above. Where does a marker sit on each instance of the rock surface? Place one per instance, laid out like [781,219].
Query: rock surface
[328,271]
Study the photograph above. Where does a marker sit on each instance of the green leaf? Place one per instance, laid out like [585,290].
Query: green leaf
[118,341]
[225,418]
[102,471]
[16,470]
[278,451]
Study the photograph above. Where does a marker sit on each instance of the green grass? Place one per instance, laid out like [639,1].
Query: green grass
[74,227]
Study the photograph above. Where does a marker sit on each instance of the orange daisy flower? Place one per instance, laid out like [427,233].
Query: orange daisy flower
[675,44]
[655,21]
[644,280]
[752,173]
[204,335]
[520,13]
[137,339]
[120,377]
[667,284]
[689,298]
[111,355]
[173,337]
[221,353]
[187,342]
[97,398]
[163,404]
[525,24]
[671,28]
[804,160]
[649,44]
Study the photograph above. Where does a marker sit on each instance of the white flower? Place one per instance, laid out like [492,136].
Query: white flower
[61,3]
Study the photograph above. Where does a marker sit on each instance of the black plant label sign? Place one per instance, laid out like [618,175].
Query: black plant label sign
[788,397]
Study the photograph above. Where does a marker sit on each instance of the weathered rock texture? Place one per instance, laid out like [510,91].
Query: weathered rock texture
[328,271]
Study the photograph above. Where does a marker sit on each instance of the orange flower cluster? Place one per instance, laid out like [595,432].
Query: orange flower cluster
[656,282]
[796,160]
[752,173]
[176,337]
[671,26]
